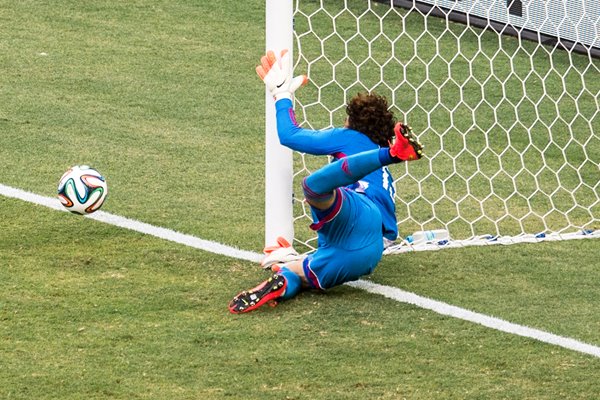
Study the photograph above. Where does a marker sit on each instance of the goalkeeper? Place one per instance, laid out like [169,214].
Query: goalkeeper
[351,199]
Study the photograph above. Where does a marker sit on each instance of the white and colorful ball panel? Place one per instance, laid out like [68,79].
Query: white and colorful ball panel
[82,190]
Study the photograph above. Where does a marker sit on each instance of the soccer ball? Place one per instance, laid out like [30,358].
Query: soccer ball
[82,189]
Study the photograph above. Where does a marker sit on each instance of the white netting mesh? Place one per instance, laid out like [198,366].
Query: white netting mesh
[511,128]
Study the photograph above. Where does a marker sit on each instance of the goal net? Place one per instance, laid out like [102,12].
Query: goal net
[511,127]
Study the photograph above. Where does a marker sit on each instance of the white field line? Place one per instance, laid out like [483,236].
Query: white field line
[481,319]
[163,233]
[386,291]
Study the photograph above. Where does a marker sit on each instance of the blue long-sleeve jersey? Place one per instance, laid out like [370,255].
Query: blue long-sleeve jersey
[339,143]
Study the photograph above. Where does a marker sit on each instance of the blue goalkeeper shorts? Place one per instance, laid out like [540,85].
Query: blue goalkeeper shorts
[350,241]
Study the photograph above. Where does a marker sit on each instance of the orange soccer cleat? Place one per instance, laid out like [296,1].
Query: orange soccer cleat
[406,147]
[267,292]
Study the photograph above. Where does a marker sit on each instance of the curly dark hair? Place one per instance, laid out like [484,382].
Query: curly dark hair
[368,113]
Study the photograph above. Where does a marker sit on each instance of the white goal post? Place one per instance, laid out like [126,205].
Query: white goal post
[278,159]
[511,127]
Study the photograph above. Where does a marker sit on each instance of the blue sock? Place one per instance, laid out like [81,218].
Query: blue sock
[294,283]
[385,158]
[346,171]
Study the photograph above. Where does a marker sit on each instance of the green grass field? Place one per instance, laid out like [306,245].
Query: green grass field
[162,98]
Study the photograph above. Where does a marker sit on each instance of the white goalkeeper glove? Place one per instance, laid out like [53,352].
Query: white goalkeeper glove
[282,253]
[277,75]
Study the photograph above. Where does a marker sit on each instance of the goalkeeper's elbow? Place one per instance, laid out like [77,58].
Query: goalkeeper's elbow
[286,141]
[287,138]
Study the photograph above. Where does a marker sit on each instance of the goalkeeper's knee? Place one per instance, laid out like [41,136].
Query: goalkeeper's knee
[315,194]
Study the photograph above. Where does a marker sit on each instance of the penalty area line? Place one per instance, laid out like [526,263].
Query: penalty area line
[370,287]
[477,318]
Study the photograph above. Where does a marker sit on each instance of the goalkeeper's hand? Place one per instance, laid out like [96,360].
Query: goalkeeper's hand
[281,253]
[277,75]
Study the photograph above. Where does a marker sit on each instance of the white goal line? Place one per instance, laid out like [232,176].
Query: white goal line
[386,291]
